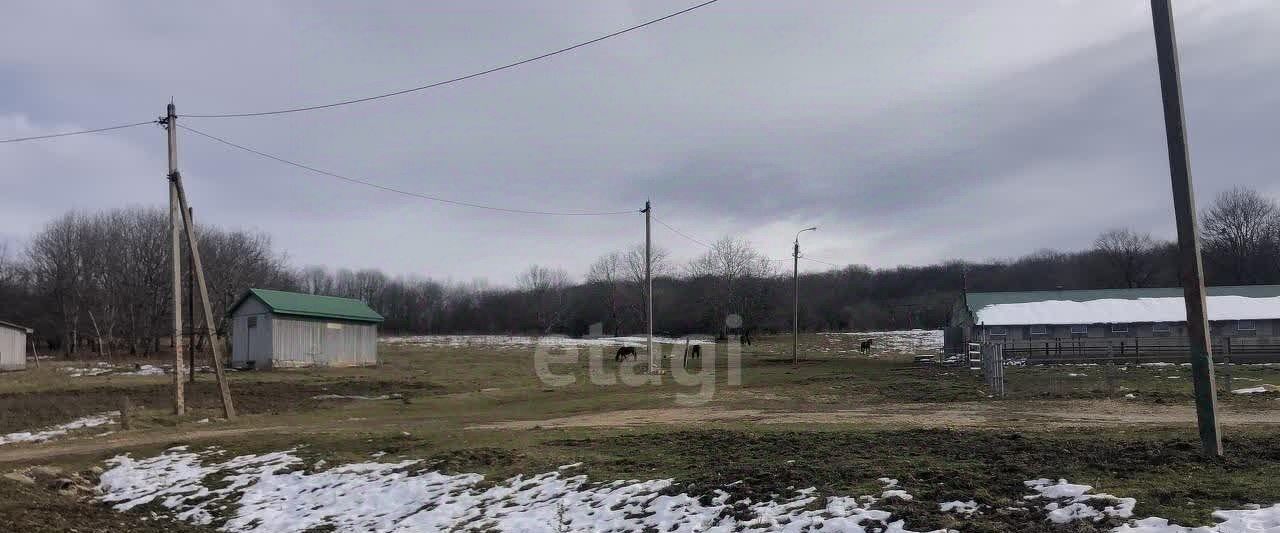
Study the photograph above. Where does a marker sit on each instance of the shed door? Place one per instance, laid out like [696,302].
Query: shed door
[334,353]
[259,340]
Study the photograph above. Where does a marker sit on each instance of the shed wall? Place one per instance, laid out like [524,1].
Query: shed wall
[13,349]
[251,344]
[308,342]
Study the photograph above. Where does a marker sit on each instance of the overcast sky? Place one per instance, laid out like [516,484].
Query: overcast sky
[909,131]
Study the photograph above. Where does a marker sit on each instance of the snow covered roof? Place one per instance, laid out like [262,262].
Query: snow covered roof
[1119,306]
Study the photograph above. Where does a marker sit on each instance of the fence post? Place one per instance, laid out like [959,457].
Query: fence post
[1226,366]
[1111,368]
[125,413]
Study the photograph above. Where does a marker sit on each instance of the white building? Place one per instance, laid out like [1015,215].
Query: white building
[13,346]
[288,329]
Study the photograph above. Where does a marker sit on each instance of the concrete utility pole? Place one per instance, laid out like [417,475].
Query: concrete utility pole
[175,223]
[181,210]
[648,278]
[1184,209]
[795,309]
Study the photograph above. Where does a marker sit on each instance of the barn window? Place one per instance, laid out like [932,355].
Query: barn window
[1246,325]
[1040,330]
[1079,329]
[997,331]
[1160,327]
[1119,328]
[253,321]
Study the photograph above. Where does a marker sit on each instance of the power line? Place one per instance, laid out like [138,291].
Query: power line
[79,132]
[459,78]
[821,262]
[681,233]
[399,191]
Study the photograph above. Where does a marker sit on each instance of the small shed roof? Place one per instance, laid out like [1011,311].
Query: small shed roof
[11,325]
[1244,302]
[311,305]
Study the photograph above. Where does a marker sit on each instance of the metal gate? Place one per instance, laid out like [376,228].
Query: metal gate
[993,368]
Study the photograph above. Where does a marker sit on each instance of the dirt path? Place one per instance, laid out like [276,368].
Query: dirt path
[1035,415]
[90,446]
[1020,415]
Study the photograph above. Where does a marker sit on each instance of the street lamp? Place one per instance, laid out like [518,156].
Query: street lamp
[795,317]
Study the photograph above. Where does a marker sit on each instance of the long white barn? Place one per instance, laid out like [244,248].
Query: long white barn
[1252,311]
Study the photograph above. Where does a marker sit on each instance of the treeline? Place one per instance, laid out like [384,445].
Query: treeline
[100,281]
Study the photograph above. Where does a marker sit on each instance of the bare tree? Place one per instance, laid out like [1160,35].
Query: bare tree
[607,276]
[738,275]
[1129,255]
[546,290]
[1239,232]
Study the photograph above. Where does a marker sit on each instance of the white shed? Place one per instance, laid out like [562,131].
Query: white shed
[289,329]
[13,346]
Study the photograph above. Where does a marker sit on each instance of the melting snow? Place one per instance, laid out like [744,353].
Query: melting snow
[959,507]
[59,430]
[353,397]
[523,341]
[1072,502]
[271,493]
[1264,520]
[1257,390]
[924,341]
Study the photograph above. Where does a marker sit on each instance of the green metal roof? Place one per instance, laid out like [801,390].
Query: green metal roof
[311,305]
[978,300]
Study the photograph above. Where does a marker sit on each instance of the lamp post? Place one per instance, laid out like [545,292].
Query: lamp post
[795,311]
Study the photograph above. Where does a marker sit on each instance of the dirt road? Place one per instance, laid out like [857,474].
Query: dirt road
[1024,415]
[1028,416]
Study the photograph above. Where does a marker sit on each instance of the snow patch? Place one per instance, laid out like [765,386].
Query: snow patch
[1072,502]
[1260,389]
[507,342]
[965,508]
[59,430]
[271,493]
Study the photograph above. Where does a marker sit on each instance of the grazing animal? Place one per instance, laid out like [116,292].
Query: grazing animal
[745,338]
[624,352]
[692,352]
[865,346]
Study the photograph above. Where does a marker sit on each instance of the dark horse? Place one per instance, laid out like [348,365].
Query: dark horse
[865,346]
[692,352]
[624,352]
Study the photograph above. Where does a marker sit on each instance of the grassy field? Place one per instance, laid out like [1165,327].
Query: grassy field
[838,421]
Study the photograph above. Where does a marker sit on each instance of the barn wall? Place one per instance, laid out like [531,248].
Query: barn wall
[13,349]
[308,342]
[251,344]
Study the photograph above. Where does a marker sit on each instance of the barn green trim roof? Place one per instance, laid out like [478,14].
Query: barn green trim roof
[978,300]
[311,305]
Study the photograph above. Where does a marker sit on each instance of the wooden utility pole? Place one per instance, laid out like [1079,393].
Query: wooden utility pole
[648,279]
[175,223]
[178,194]
[191,308]
[1189,262]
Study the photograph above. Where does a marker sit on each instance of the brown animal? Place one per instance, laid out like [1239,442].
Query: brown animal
[692,352]
[624,352]
[865,346]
